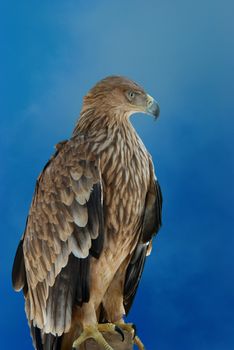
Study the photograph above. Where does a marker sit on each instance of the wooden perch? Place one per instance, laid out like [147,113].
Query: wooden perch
[114,340]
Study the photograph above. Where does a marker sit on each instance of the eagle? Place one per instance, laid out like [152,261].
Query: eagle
[96,207]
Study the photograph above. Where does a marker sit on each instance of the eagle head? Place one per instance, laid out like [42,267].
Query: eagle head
[121,97]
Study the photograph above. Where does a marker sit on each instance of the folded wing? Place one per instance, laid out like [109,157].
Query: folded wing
[64,229]
[151,223]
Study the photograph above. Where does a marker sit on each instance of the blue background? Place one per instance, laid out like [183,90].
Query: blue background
[182,52]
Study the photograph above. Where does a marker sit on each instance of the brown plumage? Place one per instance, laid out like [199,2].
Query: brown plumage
[94,212]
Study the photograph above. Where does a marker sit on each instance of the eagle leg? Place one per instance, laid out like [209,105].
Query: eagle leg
[131,328]
[94,332]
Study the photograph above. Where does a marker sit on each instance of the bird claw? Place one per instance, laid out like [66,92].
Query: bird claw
[131,328]
[95,332]
[120,331]
[139,343]
[134,330]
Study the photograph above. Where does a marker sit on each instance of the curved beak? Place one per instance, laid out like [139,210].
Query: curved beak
[152,107]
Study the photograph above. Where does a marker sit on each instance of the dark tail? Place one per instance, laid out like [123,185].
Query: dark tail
[45,341]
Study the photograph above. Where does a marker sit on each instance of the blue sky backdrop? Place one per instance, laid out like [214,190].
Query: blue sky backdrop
[182,52]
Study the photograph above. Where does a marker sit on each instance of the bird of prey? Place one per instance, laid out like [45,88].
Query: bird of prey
[96,207]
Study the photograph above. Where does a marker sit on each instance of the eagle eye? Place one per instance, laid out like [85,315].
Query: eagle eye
[131,95]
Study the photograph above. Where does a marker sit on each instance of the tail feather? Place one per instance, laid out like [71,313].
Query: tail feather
[45,341]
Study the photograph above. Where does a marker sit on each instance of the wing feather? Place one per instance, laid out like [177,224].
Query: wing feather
[151,223]
[18,271]
[64,226]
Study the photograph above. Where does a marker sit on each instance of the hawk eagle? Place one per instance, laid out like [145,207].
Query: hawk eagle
[96,207]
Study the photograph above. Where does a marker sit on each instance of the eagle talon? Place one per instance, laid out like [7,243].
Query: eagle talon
[94,332]
[134,331]
[119,330]
[131,328]
[139,343]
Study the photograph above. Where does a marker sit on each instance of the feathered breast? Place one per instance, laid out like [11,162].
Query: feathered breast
[125,174]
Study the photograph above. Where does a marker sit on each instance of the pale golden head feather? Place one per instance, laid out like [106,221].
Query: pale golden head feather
[114,98]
